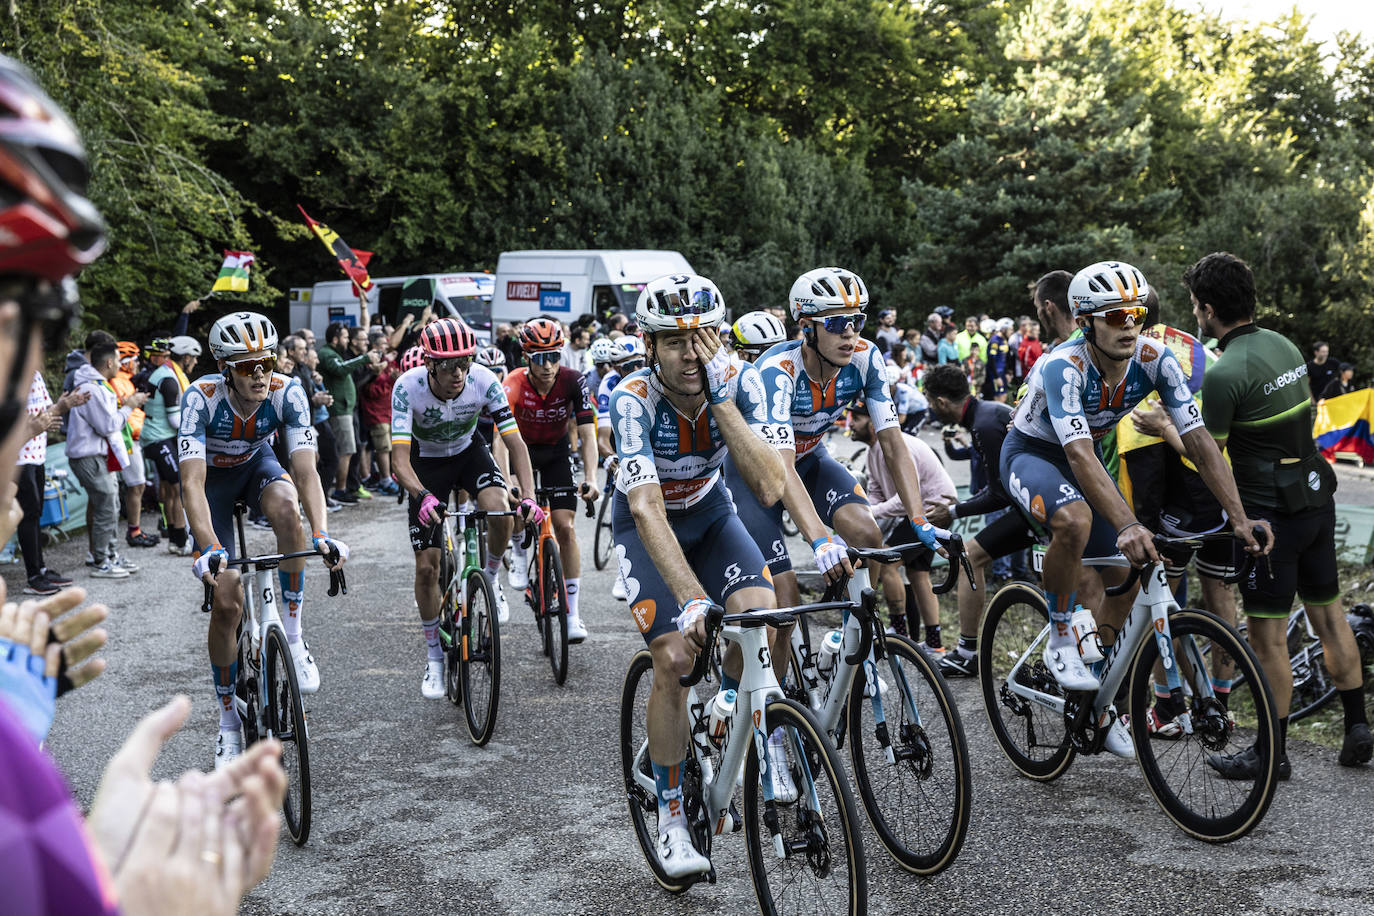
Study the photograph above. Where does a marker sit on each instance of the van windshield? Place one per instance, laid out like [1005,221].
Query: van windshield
[474,310]
[628,294]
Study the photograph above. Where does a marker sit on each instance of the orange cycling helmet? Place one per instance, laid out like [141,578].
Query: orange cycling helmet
[541,334]
[127,350]
[447,338]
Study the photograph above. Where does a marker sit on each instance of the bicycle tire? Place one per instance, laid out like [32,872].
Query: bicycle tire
[1313,686]
[1012,623]
[450,638]
[643,804]
[603,544]
[1182,789]
[481,662]
[931,770]
[806,744]
[286,719]
[555,596]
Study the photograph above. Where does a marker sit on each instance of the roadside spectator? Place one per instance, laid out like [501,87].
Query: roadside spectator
[96,450]
[360,343]
[576,356]
[306,362]
[1342,383]
[374,408]
[42,416]
[1321,370]
[930,339]
[134,475]
[77,358]
[508,342]
[1000,358]
[1030,349]
[336,366]
[1018,371]
[888,335]
[949,347]
[970,339]
[1051,298]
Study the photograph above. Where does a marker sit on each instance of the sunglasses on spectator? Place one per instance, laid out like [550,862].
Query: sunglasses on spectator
[840,324]
[249,367]
[453,364]
[1117,317]
[547,357]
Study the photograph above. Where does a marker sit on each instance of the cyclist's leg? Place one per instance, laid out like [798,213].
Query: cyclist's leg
[276,498]
[735,574]
[223,487]
[764,524]
[436,475]
[553,464]
[1267,595]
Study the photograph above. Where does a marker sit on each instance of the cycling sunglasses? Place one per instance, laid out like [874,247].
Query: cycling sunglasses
[1117,317]
[453,364]
[840,324]
[546,357]
[630,365]
[248,367]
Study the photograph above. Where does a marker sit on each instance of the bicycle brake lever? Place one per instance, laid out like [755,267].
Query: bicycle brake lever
[337,583]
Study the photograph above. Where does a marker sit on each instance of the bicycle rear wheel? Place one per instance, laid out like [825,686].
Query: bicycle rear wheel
[555,611]
[918,801]
[816,862]
[1313,687]
[603,544]
[481,658]
[285,716]
[1033,737]
[1177,769]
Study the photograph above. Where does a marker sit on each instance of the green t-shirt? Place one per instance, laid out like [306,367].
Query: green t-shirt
[1256,397]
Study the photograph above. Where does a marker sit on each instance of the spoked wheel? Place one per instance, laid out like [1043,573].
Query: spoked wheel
[449,635]
[285,717]
[1032,736]
[1313,687]
[1181,771]
[604,544]
[555,597]
[816,861]
[636,768]
[917,791]
[481,658]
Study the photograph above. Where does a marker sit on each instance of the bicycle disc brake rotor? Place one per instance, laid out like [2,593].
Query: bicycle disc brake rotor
[817,842]
[1212,726]
[916,751]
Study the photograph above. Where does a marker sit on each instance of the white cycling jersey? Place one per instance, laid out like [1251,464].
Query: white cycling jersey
[441,429]
[213,432]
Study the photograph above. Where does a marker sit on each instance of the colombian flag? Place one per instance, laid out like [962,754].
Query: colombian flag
[1346,424]
[233,276]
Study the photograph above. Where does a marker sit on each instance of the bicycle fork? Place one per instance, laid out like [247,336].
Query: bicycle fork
[858,583]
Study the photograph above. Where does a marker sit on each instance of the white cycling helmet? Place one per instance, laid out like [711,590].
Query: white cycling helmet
[627,348]
[1107,284]
[679,302]
[758,330]
[604,350]
[827,288]
[241,332]
[491,357]
[894,374]
[181,345]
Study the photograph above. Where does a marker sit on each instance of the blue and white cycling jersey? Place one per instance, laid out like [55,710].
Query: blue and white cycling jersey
[811,408]
[658,444]
[603,392]
[1066,400]
[212,431]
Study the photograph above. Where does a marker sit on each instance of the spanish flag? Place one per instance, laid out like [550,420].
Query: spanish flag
[352,261]
[233,276]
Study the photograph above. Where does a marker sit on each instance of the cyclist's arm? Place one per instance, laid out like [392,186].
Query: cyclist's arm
[758,462]
[651,523]
[519,459]
[588,444]
[400,467]
[193,500]
[501,454]
[604,446]
[1206,456]
[797,500]
[900,465]
[308,488]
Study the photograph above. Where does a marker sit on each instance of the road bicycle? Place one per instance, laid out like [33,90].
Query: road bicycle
[469,632]
[603,542]
[547,593]
[804,855]
[906,740]
[1040,726]
[266,693]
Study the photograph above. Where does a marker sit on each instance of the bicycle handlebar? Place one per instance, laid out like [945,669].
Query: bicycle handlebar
[1191,542]
[543,495]
[338,584]
[716,618]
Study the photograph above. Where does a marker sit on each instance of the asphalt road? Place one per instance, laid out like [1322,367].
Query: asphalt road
[410,817]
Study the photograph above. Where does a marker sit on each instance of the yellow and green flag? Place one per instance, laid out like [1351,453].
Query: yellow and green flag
[233,276]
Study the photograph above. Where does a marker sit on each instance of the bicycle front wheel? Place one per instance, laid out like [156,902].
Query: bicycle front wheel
[449,635]
[285,716]
[554,594]
[481,658]
[1180,769]
[814,863]
[1032,736]
[603,544]
[917,790]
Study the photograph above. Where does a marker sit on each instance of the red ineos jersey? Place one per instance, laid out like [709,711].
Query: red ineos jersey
[544,420]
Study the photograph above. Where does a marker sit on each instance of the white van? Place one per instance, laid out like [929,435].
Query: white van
[567,284]
[465,295]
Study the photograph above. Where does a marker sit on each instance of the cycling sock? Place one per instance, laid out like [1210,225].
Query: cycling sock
[493,564]
[667,780]
[433,650]
[1162,693]
[1283,736]
[933,636]
[1222,688]
[1061,616]
[1353,702]
[571,586]
[225,679]
[293,599]
[968,646]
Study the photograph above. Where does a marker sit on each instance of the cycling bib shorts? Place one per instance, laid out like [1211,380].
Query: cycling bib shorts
[242,482]
[472,469]
[1038,478]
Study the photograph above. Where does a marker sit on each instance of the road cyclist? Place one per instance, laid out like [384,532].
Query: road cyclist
[624,356]
[436,451]
[224,455]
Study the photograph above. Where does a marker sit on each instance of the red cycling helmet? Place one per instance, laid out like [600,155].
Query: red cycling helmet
[447,338]
[48,227]
[413,357]
[540,335]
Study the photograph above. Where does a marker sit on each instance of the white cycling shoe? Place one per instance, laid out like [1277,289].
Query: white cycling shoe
[1119,739]
[502,609]
[678,856]
[432,687]
[307,673]
[1068,669]
[519,574]
[784,789]
[577,631]
[228,747]
[618,590]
